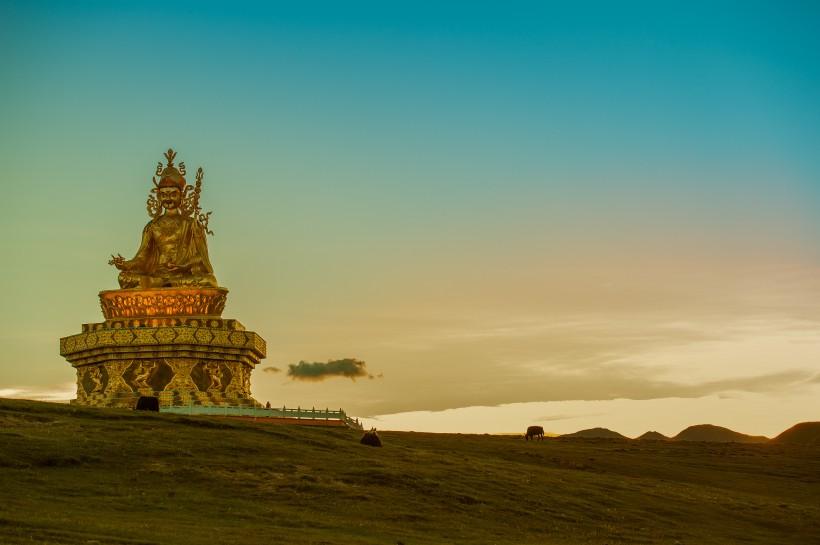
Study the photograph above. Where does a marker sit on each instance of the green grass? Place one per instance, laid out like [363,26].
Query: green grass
[70,475]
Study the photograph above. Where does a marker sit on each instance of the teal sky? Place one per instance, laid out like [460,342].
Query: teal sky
[489,204]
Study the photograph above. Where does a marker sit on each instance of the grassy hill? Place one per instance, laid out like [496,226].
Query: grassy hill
[86,476]
[804,433]
[595,433]
[717,434]
[653,436]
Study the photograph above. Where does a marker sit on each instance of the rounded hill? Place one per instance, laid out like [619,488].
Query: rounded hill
[804,433]
[653,436]
[595,433]
[716,434]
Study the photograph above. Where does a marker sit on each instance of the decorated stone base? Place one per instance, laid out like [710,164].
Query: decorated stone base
[170,343]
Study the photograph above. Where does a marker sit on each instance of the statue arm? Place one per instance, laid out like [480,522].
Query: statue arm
[197,257]
[141,258]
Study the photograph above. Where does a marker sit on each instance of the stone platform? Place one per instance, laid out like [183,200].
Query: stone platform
[170,343]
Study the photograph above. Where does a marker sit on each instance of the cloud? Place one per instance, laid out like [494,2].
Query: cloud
[316,371]
[491,361]
[558,417]
[271,370]
[63,392]
[596,384]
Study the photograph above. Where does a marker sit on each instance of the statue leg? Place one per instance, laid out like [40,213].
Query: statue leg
[129,280]
[204,280]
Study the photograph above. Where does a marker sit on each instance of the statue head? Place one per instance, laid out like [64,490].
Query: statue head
[171,192]
[170,198]
[171,187]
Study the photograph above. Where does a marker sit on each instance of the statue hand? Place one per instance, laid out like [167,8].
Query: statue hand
[177,268]
[118,261]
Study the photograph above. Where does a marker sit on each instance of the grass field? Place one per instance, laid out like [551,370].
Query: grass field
[90,476]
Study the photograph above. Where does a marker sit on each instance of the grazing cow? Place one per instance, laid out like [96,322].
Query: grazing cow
[371,438]
[534,432]
[147,403]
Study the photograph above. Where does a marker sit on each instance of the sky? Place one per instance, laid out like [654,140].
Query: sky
[567,214]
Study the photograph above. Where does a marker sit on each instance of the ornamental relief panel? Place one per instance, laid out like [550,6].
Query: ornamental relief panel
[148,375]
[211,376]
[117,383]
[93,380]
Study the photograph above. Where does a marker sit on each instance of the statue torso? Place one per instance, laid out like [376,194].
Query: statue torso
[167,232]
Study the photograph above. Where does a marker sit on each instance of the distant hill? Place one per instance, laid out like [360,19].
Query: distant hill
[805,433]
[653,436]
[596,433]
[716,434]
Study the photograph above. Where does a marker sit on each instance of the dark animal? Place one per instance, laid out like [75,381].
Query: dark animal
[371,438]
[534,432]
[147,403]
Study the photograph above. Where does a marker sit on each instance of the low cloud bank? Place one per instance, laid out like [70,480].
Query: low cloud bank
[315,371]
[59,393]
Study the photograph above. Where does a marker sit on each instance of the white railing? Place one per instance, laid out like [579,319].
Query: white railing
[166,406]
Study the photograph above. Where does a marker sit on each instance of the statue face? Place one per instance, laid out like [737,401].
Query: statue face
[170,197]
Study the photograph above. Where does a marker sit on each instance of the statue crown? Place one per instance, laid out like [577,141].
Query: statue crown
[169,175]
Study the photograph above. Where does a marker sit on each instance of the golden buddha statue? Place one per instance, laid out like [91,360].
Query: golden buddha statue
[163,334]
[173,251]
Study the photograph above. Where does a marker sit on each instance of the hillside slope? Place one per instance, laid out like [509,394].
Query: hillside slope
[81,476]
[653,436]
[595,433]
[804,434]
[717,434]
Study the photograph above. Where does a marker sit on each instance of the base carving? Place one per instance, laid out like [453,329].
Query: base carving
[176,381]
[199,362]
